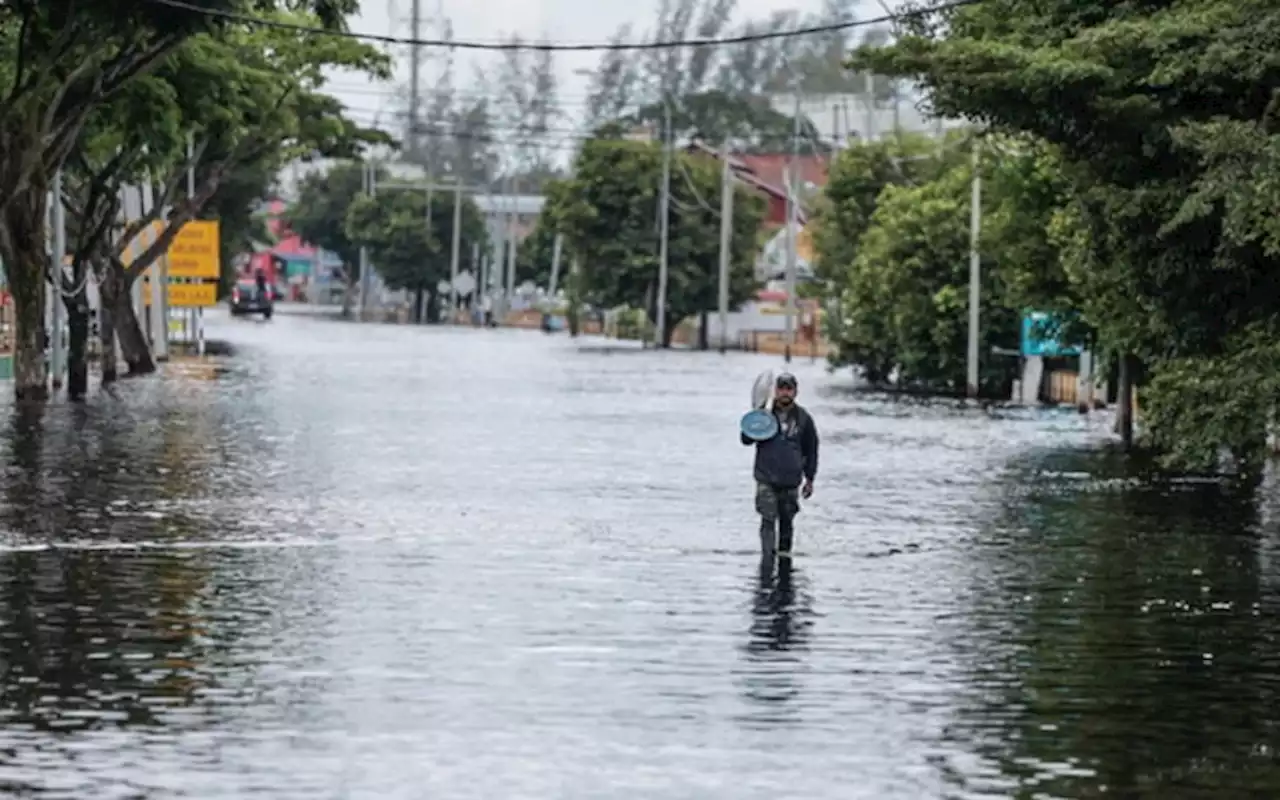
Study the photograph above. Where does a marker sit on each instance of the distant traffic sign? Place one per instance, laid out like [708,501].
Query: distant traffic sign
[465,284]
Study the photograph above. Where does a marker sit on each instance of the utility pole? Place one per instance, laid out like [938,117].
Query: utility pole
[793,218]
[59,253]
[159,284]
[482,290]
[869,92]
[975,267]
[726,240]
[513,238]
[664,213]
[198,313]
[415,87]
[455,252]
[556,248]
[366,188]
[498,259]
[475,273]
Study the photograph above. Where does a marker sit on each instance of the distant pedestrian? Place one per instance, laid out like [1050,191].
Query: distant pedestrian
[785,468]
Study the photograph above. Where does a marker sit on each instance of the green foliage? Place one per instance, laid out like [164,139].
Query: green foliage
[906,299]
[607,213]
[1161,119]
[892,241]
[408,253]
[319,215]
[633,324]
[537,251]
[854,184]
[1199,408]
[247,98]
[533,259]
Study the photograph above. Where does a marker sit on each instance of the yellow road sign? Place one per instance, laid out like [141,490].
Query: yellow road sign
[193,295]
[194,252]
[184,295]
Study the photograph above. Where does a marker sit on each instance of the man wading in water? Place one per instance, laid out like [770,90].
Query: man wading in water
[785,468]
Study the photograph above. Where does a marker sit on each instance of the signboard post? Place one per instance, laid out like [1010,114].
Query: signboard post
[194,266]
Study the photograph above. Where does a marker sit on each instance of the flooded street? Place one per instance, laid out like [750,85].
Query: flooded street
[394,562]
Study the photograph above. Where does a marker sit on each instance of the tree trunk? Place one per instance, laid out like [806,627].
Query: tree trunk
[573,317]
[703,333]
[1124,411]
[23,249]
[347,287]
[107,291]
[78,345]
[432,308]
[417,305]
[134,346]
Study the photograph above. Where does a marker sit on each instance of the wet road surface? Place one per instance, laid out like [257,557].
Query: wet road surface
[387,562]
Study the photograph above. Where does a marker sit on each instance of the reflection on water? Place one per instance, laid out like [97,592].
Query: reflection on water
[320,571]
[1122,642]
[780,633]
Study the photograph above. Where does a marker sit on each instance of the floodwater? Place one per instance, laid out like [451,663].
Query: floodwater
[394,562]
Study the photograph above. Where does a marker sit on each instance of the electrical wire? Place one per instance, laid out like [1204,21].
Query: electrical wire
[746,38]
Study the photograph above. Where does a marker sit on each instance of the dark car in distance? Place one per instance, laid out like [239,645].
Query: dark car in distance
[246,298]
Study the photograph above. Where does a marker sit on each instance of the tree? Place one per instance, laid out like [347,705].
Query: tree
[844,214]
[410,255]
[61,61]
[319,215]
[249,98]
[749,71]
[527,110]
[606,214]
[750,124]
[535,254]
[855,181]
[906,296]
[1130,96]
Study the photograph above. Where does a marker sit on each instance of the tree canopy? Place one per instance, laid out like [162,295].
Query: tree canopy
[1160,116]
[608,215]
[115,92]
[411,244]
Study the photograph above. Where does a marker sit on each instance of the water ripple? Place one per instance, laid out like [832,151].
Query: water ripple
[396,562]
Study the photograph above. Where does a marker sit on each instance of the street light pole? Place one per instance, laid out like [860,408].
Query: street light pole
[665,224]
[366,186]
[726,240]
[793,222]
[975,268]
[455,253]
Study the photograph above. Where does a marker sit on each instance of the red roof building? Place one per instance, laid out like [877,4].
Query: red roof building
[766,172]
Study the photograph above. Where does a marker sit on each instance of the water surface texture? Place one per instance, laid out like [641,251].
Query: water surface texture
[395,562]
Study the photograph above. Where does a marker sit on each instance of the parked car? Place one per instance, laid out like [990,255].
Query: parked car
[247,298]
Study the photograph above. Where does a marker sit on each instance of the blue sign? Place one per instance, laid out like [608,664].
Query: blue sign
[1039,336]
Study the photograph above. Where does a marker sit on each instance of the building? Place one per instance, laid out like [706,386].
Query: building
[501,211]
[766,174]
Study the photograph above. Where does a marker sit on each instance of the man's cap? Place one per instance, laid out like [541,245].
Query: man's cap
[786,379]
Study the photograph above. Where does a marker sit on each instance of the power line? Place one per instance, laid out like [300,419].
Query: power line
[745,38]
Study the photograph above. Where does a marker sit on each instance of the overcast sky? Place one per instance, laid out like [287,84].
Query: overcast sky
[493,20]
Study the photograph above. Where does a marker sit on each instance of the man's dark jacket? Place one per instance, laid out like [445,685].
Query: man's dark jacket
[788,459]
